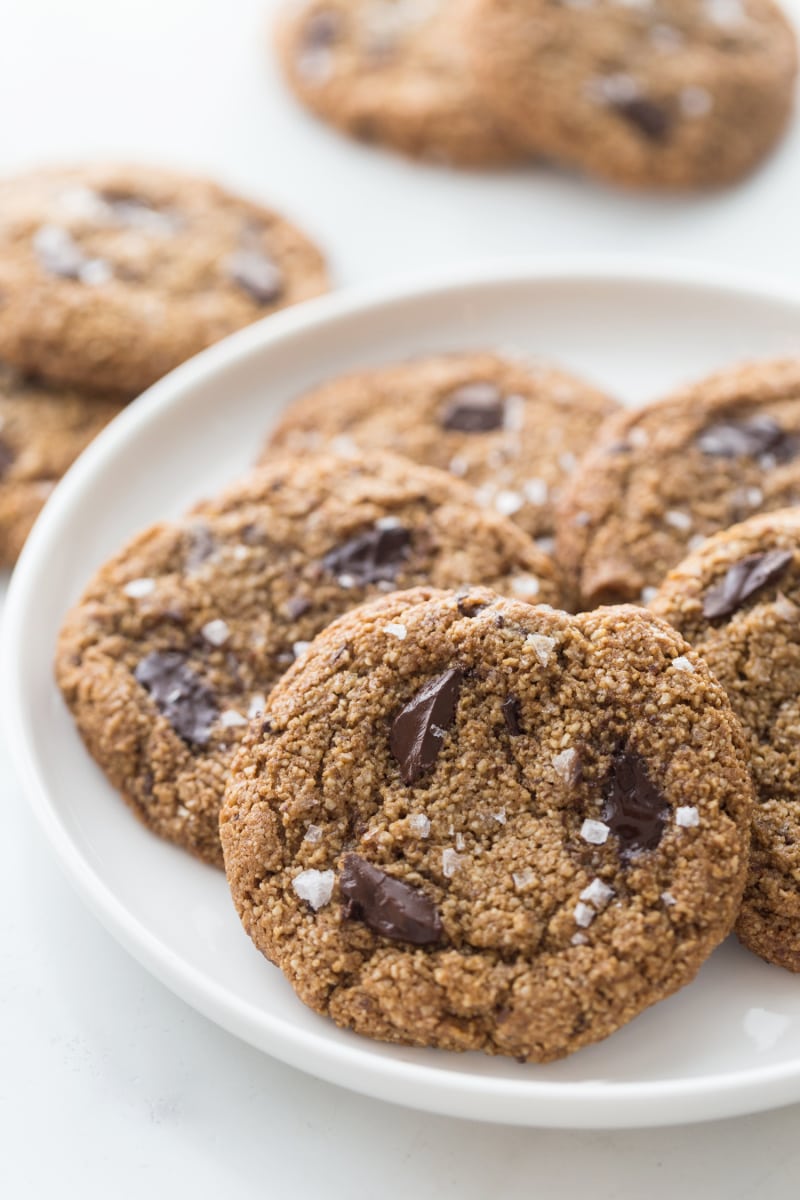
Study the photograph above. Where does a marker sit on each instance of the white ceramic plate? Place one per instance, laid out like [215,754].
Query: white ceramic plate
[729,1043]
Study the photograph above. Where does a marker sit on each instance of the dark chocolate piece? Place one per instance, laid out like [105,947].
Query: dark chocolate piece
[418,729]
[473,408]
[742,580]
[386,905]
[372,557]
[634,809]
[179,694]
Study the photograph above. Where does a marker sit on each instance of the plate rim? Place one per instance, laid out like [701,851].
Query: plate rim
[553,1104]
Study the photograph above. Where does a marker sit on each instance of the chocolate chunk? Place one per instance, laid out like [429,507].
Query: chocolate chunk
[201,546]
[297,606]
[6,457]
[419,728]
[469,607]
[371,557]
[742,580]
[474,408]
[322,30]
[748,439]
[179,695]
[386,905]
[257,274]
[633,808]
[647,117]
[510,707]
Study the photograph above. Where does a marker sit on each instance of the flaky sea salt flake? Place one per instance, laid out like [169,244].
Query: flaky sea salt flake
[687,816]
[543,646]
[394,629]
[315,887]
[594,832]
[137,588]
[216,632]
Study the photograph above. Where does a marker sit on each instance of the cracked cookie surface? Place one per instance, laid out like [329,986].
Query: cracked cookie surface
[178,639]
[479,825]
[513,430]
[662,478]
[110,276]
[737,600]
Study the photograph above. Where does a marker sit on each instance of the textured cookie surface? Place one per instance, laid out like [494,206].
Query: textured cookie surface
[514,431]
[663,478]
[737,600]
[179,638]
[474,824]
[664,93]
[42,431]
[111,276]
[396,72]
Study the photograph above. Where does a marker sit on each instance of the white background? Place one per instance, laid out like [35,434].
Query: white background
[109,1086]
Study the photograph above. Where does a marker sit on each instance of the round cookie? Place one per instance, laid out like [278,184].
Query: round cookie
[658,93]
[110,276]
[514,431]
[396,72]
[178,639]
[478,825]
[737,600]
[42,431]
[662,478]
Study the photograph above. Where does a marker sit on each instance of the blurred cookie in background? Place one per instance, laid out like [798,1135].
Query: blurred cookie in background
[397,72]
[43,429]
[110,276]
[668,93]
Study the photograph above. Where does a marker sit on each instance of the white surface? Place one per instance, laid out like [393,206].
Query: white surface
[728,1044]
[109,1085]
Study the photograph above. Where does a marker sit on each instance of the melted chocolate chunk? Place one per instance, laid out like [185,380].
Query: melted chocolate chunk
[297,606]
[179,695]
[468,607]
[649,118]
[201,546]
[372,557]
[322,30]
[510,707]
[257,274]
[418,729]
[6,457]
[743,580]
[388,906]
[473,408]
[748,439]
[633,808]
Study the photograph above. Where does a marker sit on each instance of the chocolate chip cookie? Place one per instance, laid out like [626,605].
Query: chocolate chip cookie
[663,478]
[737,600]
[513,430]
[469,823]
[42,431]
[110,276]
[654,93]
[396,72]
[178,639]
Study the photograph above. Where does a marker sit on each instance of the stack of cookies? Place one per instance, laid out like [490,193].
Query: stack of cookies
[451,812]
[109,278]
[651,93]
